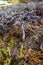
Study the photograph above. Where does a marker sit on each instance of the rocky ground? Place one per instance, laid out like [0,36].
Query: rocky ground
[21,34]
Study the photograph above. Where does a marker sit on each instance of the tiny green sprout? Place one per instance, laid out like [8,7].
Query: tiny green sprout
[11,43]
[7,61]
[14,63]
[25,63]
[19,56]
[21,0]
[18,32]
[21,52]
[1,63]
[1,44]
[4,51]
[1,55]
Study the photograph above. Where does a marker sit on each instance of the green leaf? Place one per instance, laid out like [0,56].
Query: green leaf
[1,55]
[4,51]
[11,43]
[7,61]
[21,0]
[19,56]
[18,32]
[1,44]
[14,62]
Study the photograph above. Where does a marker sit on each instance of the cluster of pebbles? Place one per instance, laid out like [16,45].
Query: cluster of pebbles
[12,17]
[15,12]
